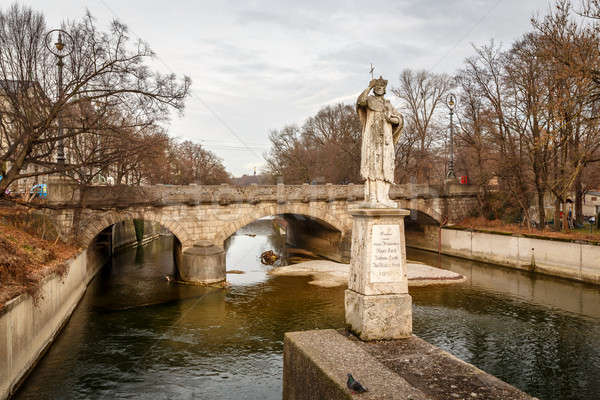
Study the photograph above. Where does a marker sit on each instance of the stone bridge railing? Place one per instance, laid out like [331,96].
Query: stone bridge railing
[167,195]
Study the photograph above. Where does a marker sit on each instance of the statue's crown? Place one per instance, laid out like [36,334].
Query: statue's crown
[380,81]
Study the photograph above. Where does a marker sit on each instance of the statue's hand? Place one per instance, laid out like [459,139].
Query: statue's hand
[392,119]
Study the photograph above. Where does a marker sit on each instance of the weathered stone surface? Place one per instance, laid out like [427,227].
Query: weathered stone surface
[195,213]
[437,373]
[315,364]
[381,126]
[377,302]
[369,273]
[204,263]
[379,317]
[61,190]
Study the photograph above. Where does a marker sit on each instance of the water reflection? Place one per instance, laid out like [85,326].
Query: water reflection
[244,250]
[535,332]
[560,294]
[137,336]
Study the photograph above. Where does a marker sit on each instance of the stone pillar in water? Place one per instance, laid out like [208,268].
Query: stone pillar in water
[377,302]
[204,263]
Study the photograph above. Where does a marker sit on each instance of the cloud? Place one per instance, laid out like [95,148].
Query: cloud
[262,64]
[284,19]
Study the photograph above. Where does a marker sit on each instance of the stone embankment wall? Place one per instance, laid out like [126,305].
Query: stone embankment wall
[570,259]
[308,234]
[29,326]
[124,233]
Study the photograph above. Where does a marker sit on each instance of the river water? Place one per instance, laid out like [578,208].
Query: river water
[134,335]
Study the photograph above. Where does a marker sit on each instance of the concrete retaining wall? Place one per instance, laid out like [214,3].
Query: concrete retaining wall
[567,259]
[27,327]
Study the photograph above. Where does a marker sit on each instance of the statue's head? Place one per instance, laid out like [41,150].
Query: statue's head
[379,87]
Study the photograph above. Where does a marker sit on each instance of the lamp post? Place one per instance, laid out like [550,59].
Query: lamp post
[60,49]
[451,102]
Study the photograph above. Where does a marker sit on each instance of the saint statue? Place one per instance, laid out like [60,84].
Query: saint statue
[381,127]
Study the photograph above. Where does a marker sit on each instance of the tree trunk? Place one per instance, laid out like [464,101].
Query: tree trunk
[557,221]
[565,225]
[578,200]
[541,209]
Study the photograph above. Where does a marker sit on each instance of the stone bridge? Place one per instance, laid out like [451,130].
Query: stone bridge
[207,215]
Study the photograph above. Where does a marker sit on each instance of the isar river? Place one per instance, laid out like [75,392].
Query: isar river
[137,336]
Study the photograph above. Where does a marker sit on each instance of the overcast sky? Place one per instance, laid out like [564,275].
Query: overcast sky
[259,65]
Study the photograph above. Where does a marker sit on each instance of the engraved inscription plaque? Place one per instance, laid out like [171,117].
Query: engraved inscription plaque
[386,254]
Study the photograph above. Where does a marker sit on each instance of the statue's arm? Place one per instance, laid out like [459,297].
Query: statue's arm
[362,98]
[397,128]
[397,121]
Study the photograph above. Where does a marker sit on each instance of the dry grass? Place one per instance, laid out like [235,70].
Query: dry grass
[499,226]
[25,259]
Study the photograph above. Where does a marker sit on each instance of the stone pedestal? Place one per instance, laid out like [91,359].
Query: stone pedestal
[378,305]
[203,264]
[62,190]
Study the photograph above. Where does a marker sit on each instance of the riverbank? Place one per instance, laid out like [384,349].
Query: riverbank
[41,283]
[331,274]
[29,252]
[559,257]
[29,326]
[484,225]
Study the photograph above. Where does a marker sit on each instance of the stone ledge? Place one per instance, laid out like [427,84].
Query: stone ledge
[438,373]
[379,212]
[315,364]
[527,235]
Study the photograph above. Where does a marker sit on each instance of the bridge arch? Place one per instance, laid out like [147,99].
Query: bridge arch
[95,224]
[340,220]
[433,211]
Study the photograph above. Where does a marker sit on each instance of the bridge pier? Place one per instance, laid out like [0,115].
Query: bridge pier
[204,263]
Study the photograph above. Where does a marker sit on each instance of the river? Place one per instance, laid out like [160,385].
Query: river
[135,335]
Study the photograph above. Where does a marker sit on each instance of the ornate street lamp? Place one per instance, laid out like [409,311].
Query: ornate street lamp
[60,49]
[451,103]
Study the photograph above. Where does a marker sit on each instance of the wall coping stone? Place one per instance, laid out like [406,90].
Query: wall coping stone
[527,235]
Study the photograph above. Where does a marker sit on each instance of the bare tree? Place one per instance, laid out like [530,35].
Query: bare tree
[474,139]
[106,74]
[570,48]
[194,164]
[422,93]
[326,147]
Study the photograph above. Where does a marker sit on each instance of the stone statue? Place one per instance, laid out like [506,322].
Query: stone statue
[381,127]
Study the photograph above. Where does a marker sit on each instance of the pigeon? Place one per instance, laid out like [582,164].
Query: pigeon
[355,385]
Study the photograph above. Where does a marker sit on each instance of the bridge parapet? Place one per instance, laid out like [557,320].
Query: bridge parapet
[123,196]
[426,191]
[164,195]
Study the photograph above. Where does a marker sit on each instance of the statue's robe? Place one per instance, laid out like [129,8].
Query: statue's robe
[379,137]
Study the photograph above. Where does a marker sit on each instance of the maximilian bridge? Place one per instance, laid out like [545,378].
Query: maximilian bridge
[202,216]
